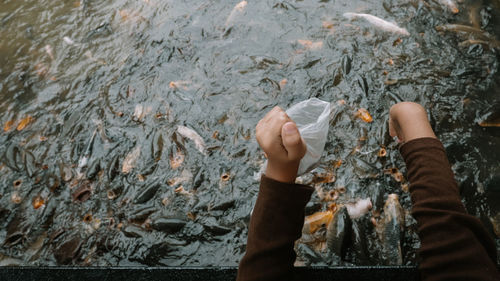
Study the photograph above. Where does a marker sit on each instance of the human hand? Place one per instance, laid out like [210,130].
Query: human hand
[408,121]
[280,139]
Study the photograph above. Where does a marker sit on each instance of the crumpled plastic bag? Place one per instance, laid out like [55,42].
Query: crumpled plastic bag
[312,117]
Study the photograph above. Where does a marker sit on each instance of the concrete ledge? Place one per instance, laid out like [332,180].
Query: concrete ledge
[371,273]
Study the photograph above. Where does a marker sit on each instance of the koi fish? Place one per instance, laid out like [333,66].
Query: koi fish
[472,31]
[358,208]
[338,231]
[451,5]
[130,159]
[390,230]
[68,40]
[84,160]
[378,22]
[49,51]
[194,136]
[238,9]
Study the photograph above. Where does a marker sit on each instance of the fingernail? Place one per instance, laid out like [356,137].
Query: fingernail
[290,129]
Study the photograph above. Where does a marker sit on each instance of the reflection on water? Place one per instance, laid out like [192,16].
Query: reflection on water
[128,126]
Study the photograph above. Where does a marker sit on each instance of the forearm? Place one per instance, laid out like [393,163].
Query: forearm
[454,245]
[276,223]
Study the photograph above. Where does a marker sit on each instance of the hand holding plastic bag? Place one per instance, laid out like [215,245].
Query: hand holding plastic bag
[312,119]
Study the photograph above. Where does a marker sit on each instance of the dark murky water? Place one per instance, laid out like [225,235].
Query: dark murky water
[111,81]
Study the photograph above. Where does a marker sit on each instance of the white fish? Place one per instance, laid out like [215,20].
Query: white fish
[451,5]
[358,208]
[192,135]
[379,23]
[86,155]
[49,51]
[237,10]
[68,40]
[130,159]
[140,112]
[308,44]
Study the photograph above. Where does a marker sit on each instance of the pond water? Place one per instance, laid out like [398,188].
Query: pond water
[128,126]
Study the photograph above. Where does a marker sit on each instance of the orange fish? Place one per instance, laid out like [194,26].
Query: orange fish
[364,115]
[38,202]
[8,125]
[177,159]
[317,220]
[24,123]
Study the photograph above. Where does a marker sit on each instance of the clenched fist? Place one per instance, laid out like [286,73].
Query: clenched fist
[408,121]
[280,139]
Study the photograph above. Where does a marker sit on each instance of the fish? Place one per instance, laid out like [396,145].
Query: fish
[310,45]
[359,208]
[86,155]
[130,159]
[316,221]
[69,250]
[68,40]
[490,120]
[9,261]
[176,158]
[364,115]
[147,193]
[237,10]
[17,230]
[194,136]
[8,125]
[473,32]
[474,14]
[379,23]
[140,112]
[186,176]
[24,123]
[360,231]
[450,5]
[390,231]
[493,44]
[168,225]
[178,84]
[49,51]
[338,232]
[83,192]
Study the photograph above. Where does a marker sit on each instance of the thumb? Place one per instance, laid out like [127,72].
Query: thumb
[292,141]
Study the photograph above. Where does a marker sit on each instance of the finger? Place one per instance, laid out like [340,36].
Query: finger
[392,130]
[272,114]
[275,124]
[292,141]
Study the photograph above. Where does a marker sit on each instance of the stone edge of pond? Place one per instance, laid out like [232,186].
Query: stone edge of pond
[371,273]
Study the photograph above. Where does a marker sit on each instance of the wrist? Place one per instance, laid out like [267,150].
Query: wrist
[282,172]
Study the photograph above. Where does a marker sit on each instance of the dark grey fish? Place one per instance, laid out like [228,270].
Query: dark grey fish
[168,225]
[211,225]
[83,192]
[147,193]
[13,157]
[140,214]
[390,230]
[133,231]
[113,168]
[338,232]
[359,236]
[16,230]
[157,146]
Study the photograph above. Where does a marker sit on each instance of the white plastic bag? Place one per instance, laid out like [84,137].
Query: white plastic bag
[312,119]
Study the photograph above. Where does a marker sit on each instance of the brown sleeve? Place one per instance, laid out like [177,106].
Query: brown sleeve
[454,244]
[276,222]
